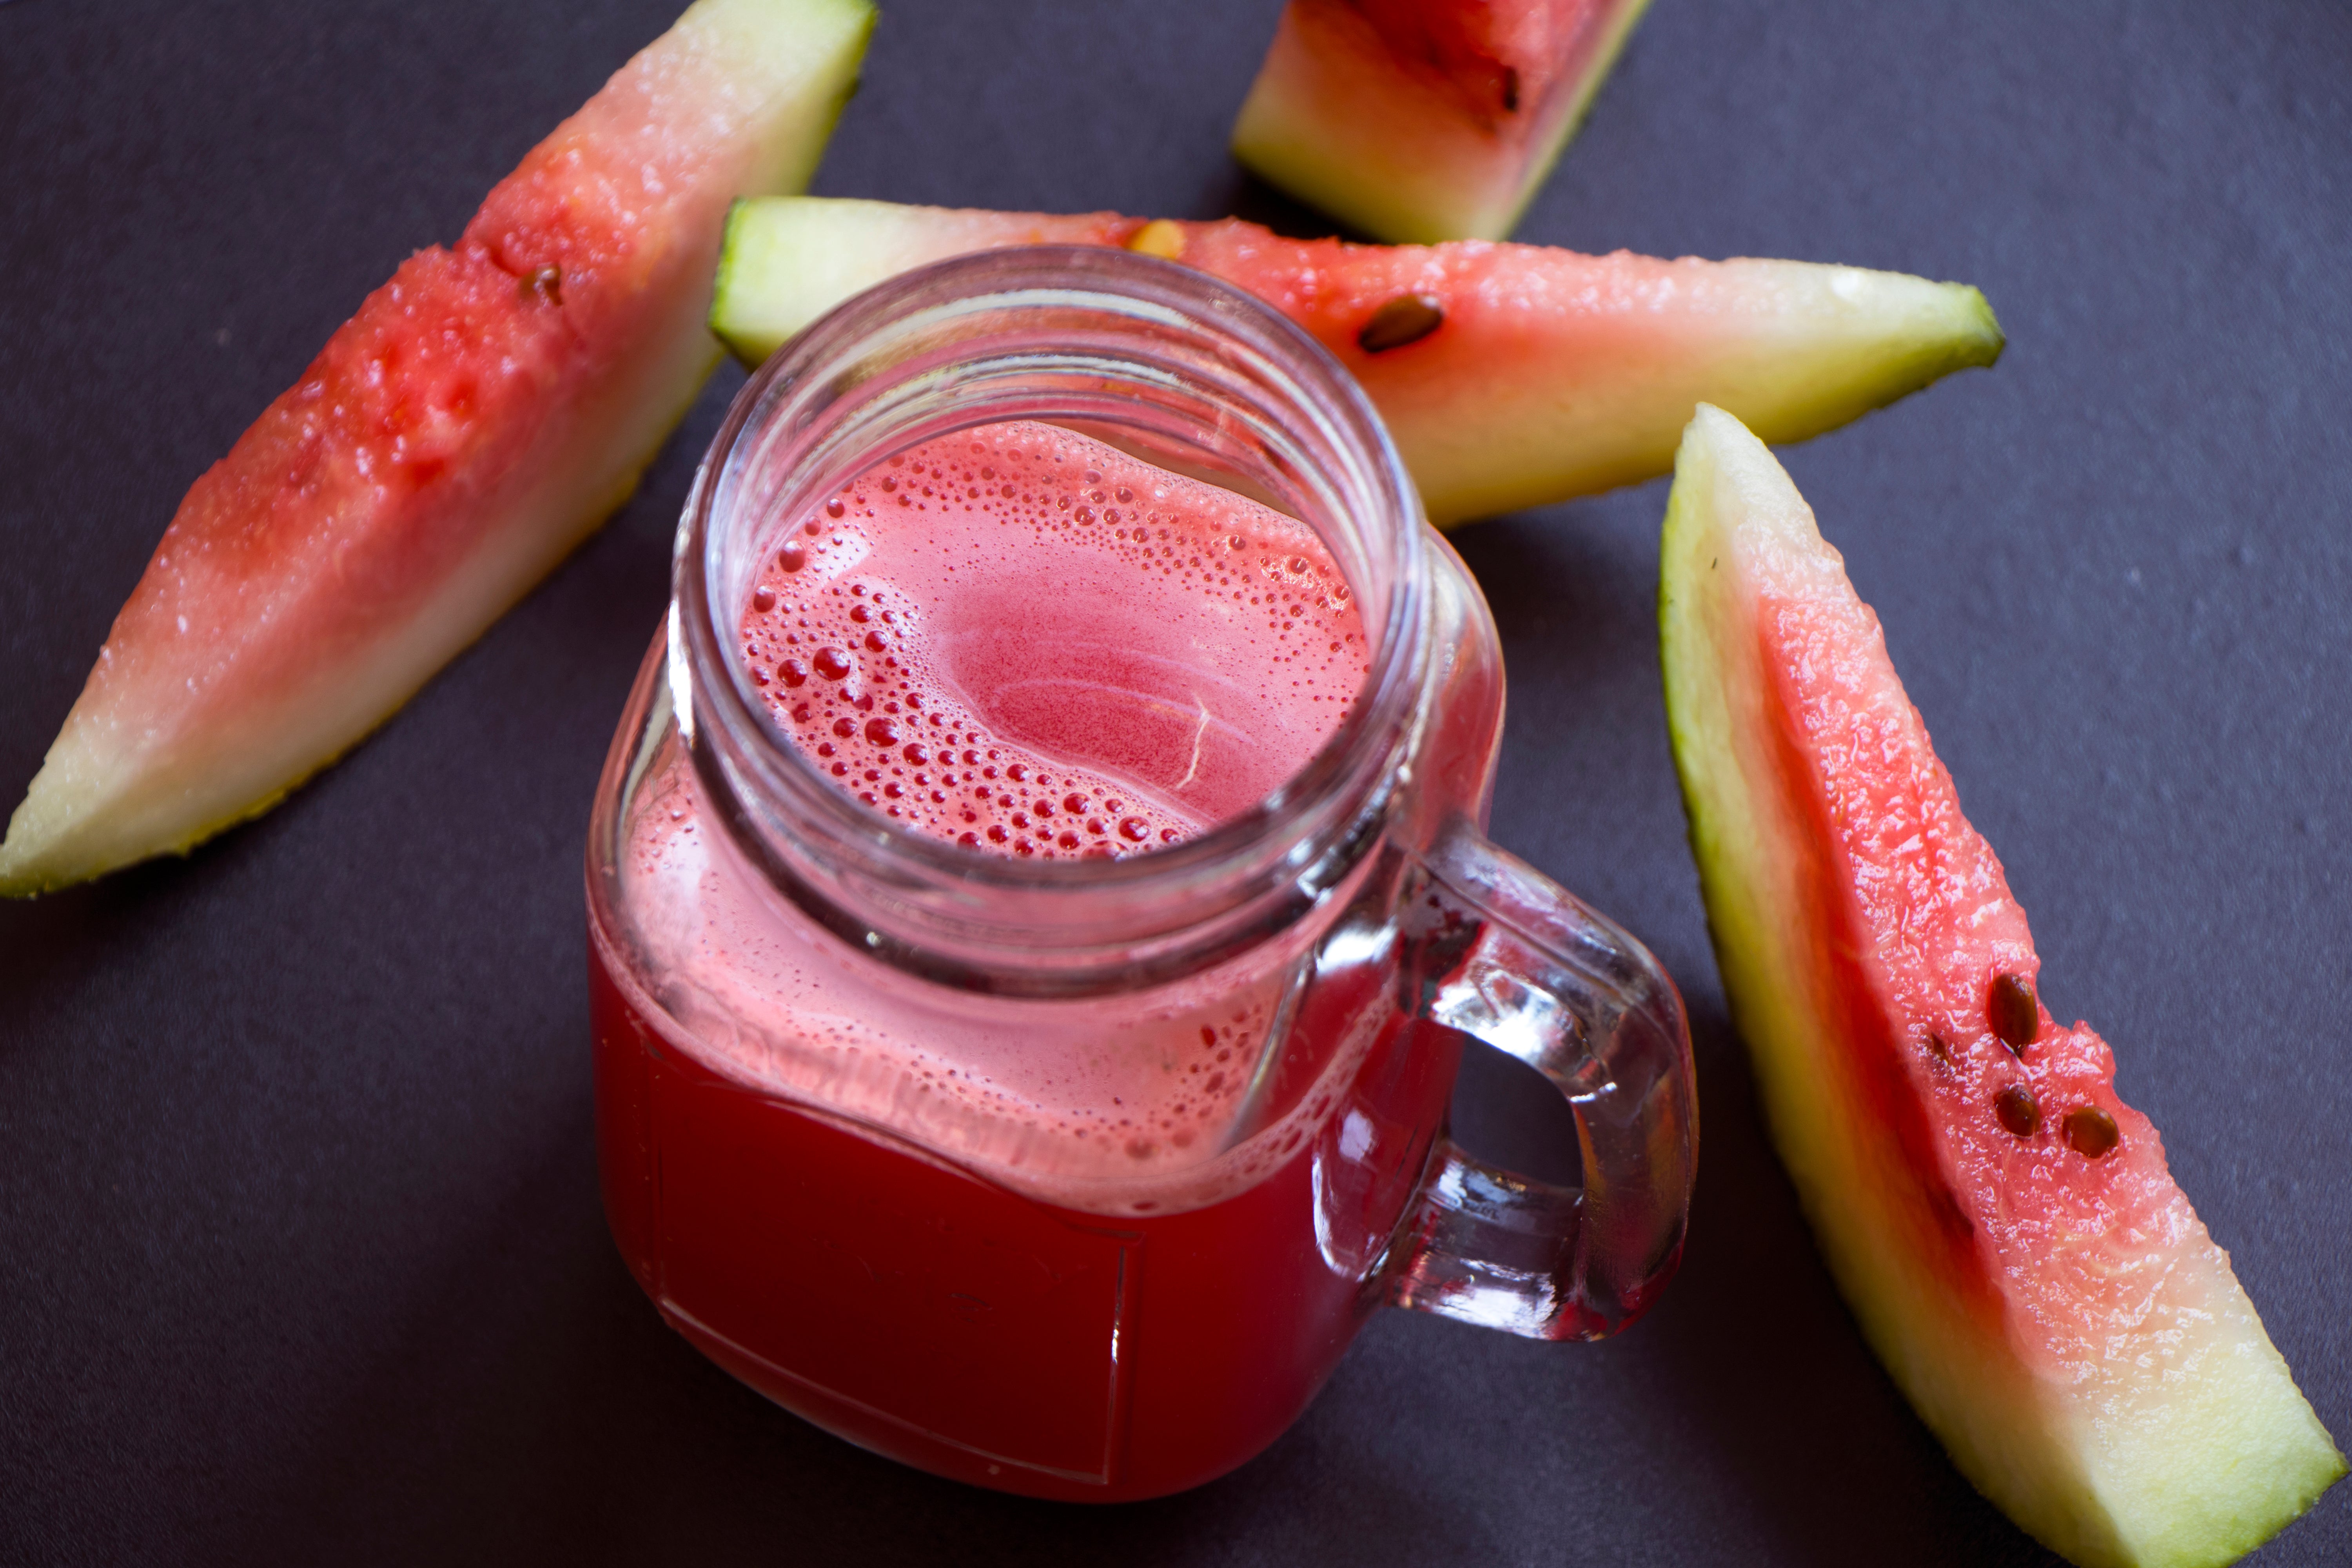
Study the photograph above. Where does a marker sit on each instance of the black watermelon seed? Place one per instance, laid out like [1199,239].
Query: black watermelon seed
[2014,1016]
[2090,1132]
[1407,319]
[2018,1109]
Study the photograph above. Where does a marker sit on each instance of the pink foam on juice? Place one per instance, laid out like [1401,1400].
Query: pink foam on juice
[1029,642]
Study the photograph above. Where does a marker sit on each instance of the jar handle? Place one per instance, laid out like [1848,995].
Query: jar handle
[1500,951]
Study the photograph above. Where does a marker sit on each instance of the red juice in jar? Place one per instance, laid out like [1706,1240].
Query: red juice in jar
[1100,1258]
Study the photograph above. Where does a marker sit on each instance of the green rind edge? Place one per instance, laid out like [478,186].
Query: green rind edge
[737,284]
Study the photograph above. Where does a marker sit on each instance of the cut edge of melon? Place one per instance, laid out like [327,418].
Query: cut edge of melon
[1797,348]
[786,260]
[2122,1489]
[98,804]
[1312,126]
[1861,339]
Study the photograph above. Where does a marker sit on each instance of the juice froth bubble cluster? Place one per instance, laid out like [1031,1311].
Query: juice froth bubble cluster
[1030,643]
[1024,641]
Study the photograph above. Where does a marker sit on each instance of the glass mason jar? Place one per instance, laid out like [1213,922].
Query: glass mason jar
[1039,1288]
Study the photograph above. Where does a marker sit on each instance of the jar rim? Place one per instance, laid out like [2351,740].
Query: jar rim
[998,923]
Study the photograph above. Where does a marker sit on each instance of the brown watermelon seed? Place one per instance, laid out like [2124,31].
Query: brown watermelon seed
[544,285]
[2018,1109]
[1407,319]
[2090,1132]
[2014,1016]
[1510,89]
[1940,1045]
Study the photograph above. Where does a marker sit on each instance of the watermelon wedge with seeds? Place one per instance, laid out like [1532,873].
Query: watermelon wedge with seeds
[1511,376]
[483,411]
[1426,120]
[2003,1225]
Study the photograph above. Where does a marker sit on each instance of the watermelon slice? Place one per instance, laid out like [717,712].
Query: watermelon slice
[481,413]
[1511,376]
[1426,120]
[2003,1225]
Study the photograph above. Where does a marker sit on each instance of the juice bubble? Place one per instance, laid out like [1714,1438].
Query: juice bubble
[1018,666]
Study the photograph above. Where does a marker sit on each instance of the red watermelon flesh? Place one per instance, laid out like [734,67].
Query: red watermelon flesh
[2004,1226]
[480,414]
[1426,120]
[1511,376]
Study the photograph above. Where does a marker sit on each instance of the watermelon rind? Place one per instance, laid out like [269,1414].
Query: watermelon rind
[232,676]
[1327,123]
[1558,375]
[2187,1443]
[785,260]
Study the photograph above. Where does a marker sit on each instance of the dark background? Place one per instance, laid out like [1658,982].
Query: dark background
[300,1251]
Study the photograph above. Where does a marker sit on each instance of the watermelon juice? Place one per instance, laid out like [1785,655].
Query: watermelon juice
[1027,644]
[1036,885]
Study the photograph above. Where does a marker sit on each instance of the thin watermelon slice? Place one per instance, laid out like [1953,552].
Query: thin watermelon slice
[1511,376]
[2004,1226]
[481,413]
[1426,120]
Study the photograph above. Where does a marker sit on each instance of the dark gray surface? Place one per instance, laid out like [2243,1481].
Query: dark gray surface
[301,1255]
